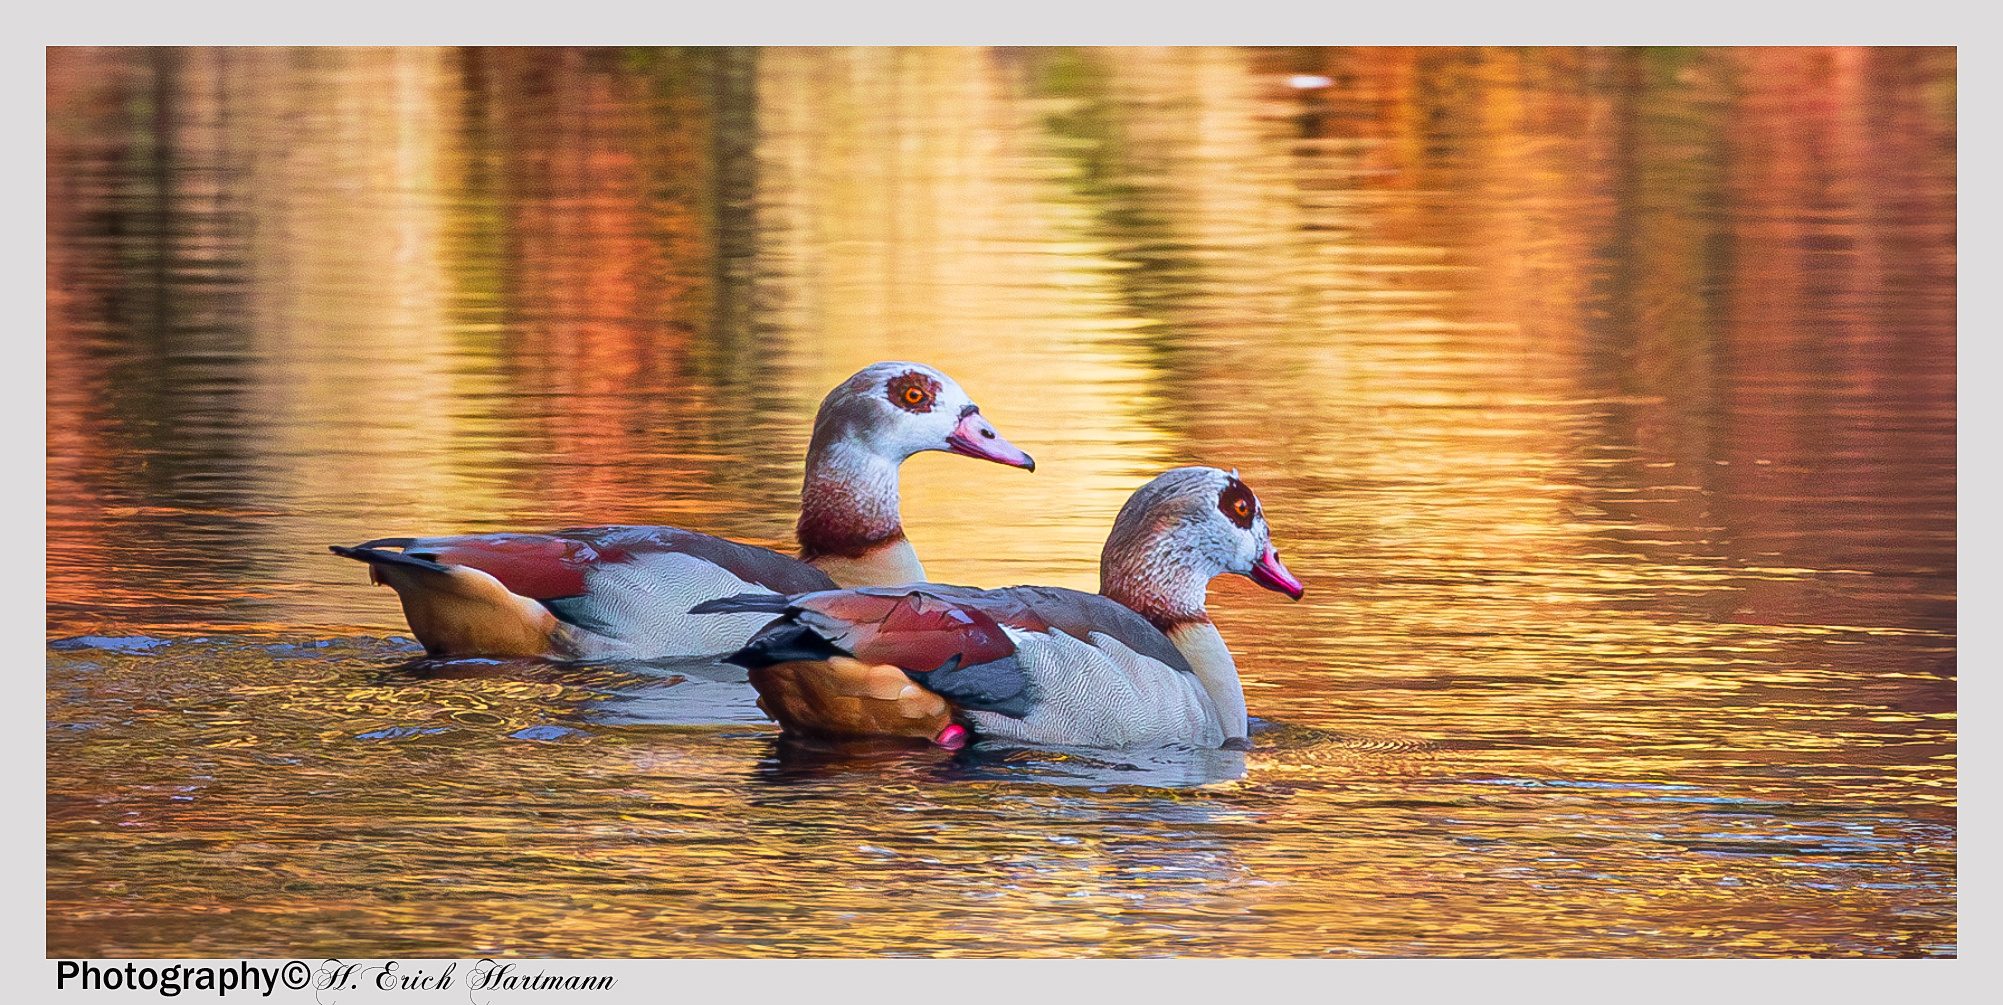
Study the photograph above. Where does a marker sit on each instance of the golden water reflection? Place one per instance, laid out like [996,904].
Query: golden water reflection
[1603,399]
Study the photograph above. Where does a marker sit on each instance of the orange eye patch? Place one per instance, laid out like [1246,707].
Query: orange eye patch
[913,392]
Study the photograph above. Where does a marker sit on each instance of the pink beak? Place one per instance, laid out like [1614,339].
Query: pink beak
[974,437]
[1269,573]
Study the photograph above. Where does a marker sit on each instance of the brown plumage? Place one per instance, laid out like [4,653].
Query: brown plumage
[845,698]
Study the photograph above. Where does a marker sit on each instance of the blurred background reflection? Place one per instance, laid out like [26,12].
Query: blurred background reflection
[1603,399]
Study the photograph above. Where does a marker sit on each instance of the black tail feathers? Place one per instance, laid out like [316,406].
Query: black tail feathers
[369,553]
[784,642]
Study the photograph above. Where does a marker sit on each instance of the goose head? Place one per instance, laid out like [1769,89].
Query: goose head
[1180,531]
[849,521]
[890,411]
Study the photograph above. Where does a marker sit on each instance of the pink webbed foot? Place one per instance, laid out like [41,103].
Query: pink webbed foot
[953,737]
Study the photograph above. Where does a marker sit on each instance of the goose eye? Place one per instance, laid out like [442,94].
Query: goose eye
[1238,504]
[913,392]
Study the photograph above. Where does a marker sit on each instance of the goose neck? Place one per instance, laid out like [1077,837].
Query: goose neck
[1161,583]
[1200,643]
[848,503]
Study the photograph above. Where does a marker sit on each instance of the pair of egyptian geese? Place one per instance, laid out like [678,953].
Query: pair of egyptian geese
[849,641]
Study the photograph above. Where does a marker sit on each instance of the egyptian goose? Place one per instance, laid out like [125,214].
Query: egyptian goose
[625,592]
[1139,664]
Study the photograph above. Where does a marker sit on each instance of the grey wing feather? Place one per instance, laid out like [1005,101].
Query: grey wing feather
[1079,615]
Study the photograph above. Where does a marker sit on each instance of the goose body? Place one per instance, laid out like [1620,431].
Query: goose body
[1139,664]
[623,592]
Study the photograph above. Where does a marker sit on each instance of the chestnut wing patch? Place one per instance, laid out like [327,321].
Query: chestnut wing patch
[537,566]
[912,629]
[954,640]
[950,646]
[556,567]
[1024,608]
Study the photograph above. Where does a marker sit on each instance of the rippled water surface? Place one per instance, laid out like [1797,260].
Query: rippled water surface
[1604,400]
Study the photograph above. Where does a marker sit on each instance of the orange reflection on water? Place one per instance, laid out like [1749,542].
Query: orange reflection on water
[1602,398]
